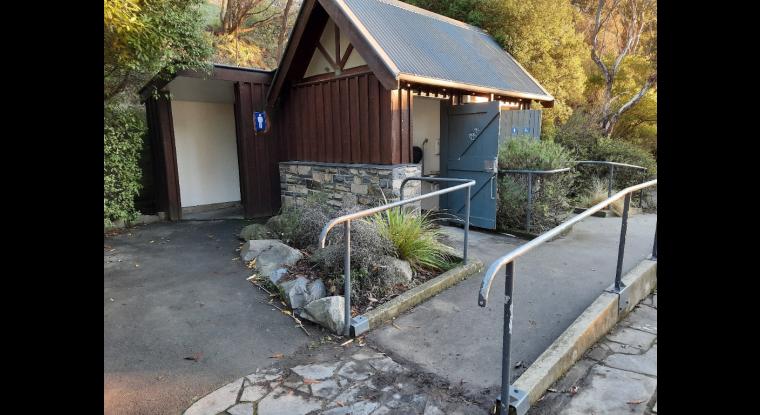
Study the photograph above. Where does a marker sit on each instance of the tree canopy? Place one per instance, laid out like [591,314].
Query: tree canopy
[142,37]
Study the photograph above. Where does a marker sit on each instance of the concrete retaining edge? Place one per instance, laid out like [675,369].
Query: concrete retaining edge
[598,319]
[420,293]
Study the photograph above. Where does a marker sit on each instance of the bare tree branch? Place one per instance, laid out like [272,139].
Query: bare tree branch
[283,29]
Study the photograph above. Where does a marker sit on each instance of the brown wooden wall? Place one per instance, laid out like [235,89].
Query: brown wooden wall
[257,152]
[346,119]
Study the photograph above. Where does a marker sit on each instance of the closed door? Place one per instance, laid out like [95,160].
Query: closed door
[469,150]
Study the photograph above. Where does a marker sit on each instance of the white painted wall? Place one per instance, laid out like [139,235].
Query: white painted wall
[319,65]
[426,124]
[204,134]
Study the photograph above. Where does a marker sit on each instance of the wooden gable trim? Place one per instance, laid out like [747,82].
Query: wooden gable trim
[377,60]
[358,36]
[344,59]
[327,56]
[359,70]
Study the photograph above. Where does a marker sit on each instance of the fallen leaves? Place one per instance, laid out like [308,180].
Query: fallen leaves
[308,381]
[573,390]
[347,342]
[277,356]
[635,402]
[195,358]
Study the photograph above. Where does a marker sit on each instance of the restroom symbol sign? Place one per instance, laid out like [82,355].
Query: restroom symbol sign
[260,121]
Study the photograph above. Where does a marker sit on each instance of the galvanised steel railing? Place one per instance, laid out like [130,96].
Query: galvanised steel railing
[508,261]
[530,174]
[611,174]
[346,221]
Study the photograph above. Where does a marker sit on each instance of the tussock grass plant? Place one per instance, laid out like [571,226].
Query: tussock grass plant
[415,238]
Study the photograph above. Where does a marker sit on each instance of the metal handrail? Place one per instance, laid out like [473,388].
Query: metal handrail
[611,175]
[467,203]
[508,260]
[346,220]
[530,174]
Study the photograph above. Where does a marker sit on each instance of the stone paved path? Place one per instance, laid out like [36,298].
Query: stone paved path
[618,375]
[336,380]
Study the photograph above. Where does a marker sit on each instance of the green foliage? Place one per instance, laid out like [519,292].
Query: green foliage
[143,37]
[415,238]
[579,134]
[529,153]
[124,131]
[550,202]
[610,149]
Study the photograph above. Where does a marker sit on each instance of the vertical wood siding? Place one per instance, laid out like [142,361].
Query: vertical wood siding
[351,119]
[258,153]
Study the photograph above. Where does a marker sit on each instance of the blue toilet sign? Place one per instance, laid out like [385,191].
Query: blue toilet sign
[260,121]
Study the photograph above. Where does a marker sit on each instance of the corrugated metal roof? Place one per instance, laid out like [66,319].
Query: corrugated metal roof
[422,43]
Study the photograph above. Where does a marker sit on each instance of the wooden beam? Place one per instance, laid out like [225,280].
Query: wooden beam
[327,56]
[344,59]
[360,39]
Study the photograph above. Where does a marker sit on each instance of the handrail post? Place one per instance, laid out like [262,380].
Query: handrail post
[347,278]
[621,248]
[466,223]
[530,202]
[654,247]
[507,340]
[609,184]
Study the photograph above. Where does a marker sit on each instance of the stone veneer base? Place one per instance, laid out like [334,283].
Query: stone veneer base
[343,184]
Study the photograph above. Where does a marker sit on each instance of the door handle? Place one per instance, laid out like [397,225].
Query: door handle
[493,196]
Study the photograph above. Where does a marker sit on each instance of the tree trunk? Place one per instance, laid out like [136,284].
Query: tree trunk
[283,30]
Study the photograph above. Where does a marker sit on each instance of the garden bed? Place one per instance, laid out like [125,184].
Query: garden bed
[398,259]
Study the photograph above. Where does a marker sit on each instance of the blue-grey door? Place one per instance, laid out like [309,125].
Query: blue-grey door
[469,150]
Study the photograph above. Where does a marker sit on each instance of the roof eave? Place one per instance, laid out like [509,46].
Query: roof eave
[546,100]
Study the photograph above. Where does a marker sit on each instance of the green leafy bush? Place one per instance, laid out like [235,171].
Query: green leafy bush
[123,134]
[579,135]
[415,238]
[531,154]
[550,201]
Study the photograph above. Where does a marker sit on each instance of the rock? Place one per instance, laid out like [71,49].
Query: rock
[317,371]
[355,371]
[216,401]
[277,274]
[300,291]
[281,401]
[394,271]
[241,409]
[327,311]
[253,393]
[270,255]
[255,231]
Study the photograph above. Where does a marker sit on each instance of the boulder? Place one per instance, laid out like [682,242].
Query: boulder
[300,291]
[255,231]
[270,255]
[327,312]
[394,271]
[275,276]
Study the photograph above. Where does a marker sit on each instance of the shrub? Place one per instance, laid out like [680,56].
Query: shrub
[123,134]
[550,202]
[532,154]
[597,193]
[368,245]
[579,135]
[415,238]
[609,149]
[300,226]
